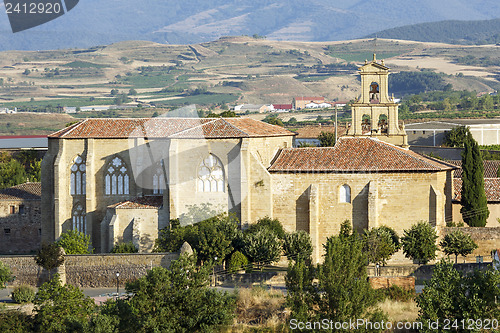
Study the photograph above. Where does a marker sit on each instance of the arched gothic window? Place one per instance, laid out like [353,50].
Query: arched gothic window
[117,178]
[79,218]
[210,175]
[345,194]
[159,179]
[78,177]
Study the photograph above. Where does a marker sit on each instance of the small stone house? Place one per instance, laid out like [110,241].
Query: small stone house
[20,219]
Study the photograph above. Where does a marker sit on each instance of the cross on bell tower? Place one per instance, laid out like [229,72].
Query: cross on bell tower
[375,113]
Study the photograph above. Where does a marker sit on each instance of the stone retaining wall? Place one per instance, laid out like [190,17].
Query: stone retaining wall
[487,239]
[91,271]
[422,272]
[405,282]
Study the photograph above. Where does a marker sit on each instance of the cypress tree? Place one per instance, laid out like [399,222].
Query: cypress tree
[474,204]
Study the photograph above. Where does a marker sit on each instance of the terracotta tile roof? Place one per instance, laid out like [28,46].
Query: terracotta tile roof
[355,155]
[209,128]
[26,191]
[312,132]
[314,98]
[490,168]
[491,188]
[282,106]
[146,202]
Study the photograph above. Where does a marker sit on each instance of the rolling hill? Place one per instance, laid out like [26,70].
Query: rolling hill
[454,32]
[95,22]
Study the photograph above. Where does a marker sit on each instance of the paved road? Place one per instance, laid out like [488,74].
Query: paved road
[101,294]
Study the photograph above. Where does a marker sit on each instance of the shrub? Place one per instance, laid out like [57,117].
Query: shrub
[237,262]
[458,243]
[297,244]
[49,256]
[262,247]
[128,247]
[379,244]
[399,294]
[23,294]
[451,294]
[75,242]
[14,321]
[5,275]
[419,243]
[273,225]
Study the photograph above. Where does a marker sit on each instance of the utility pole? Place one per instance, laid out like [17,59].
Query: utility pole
[336,122]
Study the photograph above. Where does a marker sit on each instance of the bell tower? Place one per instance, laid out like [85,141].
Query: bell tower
[375,114]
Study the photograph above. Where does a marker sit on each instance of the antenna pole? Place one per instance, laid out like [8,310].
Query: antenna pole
[336,122]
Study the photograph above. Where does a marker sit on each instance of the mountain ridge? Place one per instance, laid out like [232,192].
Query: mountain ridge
[95,22]
[451,31]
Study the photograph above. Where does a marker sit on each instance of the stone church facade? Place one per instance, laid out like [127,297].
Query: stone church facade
[123,179]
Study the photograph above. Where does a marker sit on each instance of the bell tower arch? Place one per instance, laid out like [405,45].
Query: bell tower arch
[376,103]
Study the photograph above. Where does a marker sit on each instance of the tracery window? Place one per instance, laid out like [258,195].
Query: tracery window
[159,179]
[345,194]
[78,177]
[211,175]
[117,178]
[79,218]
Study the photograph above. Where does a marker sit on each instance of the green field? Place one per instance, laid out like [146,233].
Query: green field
[83,64]
[202,99]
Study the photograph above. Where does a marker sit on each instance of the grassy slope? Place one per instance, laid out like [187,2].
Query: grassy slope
[232,69]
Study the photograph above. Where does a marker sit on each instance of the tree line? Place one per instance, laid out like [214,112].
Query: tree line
[19,168]
[178,299]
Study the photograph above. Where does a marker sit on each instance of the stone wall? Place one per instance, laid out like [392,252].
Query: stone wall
[91,271]
[311,201]
[423,272]
[491,222]
[20,226]
[405,282]
[486,238]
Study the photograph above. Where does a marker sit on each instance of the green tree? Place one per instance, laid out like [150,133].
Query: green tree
[379,245]
[474,203]
[49,256]
[237,262]
[273,120]
[273,225]
[486,102]
[345,291]
[132,92]
[215,238]
[12,173]
[263,246]
[456,137]
[455,296]
[175,300]
[61,308]
[14,321]
[75,242]
[326,139]
[419,243]
[5,275]
[171,238]
[302,293]
[128,247]
[297,245]
[457,243]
